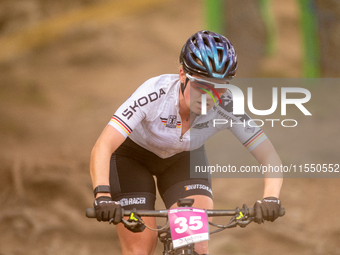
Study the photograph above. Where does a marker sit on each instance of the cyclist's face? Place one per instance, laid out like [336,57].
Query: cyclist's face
[198,86]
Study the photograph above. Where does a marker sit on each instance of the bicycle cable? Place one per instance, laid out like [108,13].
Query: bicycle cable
[157,229]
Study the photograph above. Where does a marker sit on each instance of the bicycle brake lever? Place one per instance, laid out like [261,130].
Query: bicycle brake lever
[128,223]
[134,223]
[244,223]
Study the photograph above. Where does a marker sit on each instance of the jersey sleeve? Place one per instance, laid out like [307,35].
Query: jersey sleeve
[248,133]
[242,126]
[135,109]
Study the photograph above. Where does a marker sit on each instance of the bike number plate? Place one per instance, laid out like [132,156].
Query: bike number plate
[188,225]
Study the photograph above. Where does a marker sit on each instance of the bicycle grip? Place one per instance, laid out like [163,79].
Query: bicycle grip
[251,212]
[90,213]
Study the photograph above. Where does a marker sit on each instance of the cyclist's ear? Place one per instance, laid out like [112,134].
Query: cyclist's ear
[182,76]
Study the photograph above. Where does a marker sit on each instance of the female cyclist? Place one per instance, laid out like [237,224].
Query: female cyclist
[159,131]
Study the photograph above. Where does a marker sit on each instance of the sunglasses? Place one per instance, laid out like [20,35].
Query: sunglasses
[216,87]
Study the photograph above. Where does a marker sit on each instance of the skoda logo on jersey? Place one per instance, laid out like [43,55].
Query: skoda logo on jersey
[171,122]
[141,102]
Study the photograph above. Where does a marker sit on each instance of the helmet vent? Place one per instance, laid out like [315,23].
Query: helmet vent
[217,39]
[196,59]
[220,55]
[209,54]
[206,41]
[194,41]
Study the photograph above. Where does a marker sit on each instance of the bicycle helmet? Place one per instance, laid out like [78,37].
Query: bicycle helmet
[209,54]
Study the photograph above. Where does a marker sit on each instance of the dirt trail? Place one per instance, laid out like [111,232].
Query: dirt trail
[56,99]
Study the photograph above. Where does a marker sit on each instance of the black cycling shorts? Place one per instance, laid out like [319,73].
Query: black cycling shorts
[132,171]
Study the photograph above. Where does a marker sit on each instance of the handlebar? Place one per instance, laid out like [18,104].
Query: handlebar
[239,217]
[91,213]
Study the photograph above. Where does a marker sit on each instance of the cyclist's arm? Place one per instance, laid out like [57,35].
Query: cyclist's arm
[266,155]
[107,143]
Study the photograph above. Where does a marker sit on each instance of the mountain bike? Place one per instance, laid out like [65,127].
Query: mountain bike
[185,225]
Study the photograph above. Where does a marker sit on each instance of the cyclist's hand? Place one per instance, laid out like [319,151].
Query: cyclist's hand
[267,209]
[107,209]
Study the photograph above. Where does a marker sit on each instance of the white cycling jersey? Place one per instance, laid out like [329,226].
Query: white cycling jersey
[150,117]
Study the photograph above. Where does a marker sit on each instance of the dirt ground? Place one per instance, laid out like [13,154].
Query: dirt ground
[57,96]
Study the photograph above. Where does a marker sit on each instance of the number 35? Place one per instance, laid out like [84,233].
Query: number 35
[195,223]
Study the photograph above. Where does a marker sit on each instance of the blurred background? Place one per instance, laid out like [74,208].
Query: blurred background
[65,67]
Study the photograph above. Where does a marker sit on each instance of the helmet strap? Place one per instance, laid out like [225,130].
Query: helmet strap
[183,86]
[191,112]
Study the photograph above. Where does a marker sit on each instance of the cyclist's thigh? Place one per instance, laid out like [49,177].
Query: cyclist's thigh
[133,186]
[138,243]
[201,201]
[131,183]
[175,182]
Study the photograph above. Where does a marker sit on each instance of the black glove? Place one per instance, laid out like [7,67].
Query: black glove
[267,209]
[107,209]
